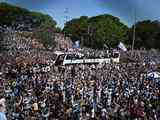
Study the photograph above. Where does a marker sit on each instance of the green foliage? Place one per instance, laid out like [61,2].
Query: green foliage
[15,15]
[45,35]
[58,30]
[41,19]
[77,28]
[11,14]
[43,25]
[147,34]
[96,31]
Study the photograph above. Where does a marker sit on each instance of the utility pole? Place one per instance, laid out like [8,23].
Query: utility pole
[66,15]
[134,32]
[66,18]
[66,11]
[90,34]
[82,41]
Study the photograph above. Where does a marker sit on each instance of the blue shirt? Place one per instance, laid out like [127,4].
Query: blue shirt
[2,116]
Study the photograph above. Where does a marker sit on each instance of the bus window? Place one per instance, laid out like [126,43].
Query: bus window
[115,55]
[70,57]
[60,59]
[73,57]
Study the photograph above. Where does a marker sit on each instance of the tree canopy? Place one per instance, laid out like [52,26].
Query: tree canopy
[96,31]
[19,18]
[13,15]
[147,34]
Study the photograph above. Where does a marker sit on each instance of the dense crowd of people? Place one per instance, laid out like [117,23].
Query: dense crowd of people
[32,87]
[102,91]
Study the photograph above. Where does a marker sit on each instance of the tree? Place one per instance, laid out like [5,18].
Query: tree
[97,31]
[45,35]
[58,30]
[147,34]
[43,26]
[77,28]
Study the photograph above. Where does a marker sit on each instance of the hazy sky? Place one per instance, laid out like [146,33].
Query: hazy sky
[124,9]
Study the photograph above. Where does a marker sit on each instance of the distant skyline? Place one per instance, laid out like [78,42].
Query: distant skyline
[123,9]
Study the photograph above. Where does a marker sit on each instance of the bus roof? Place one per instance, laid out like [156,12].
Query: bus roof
[59,52]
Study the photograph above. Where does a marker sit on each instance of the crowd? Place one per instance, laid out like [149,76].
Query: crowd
[108,92]
[32,87]
[103,91]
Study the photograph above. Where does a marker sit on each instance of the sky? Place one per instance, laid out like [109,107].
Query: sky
[126,10]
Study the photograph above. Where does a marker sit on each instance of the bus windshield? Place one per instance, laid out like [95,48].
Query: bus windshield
[73,57]
[60,59]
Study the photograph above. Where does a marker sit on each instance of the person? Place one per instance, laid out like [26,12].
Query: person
[2,116]
[2,109]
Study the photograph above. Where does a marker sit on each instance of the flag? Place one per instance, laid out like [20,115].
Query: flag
[122,46]
[76,44]
[153,75]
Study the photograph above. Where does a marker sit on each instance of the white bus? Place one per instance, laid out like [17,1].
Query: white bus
[68,58]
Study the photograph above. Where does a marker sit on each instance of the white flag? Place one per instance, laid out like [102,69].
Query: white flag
[122,46]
